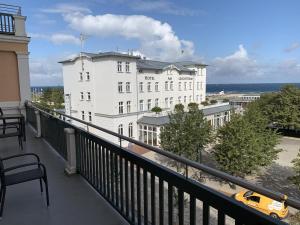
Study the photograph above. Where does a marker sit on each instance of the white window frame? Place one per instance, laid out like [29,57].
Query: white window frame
[90,116]
[121,107]
[88,76]
[141,105]
[120,129]
[149,86]
[185,86]
[141,87]
[171,102]
[166,102]
[80,76]
[171,85]
[127,67]
[119,67]
[120,87]
[156,102]
[82,115]
[88,96]
[179,86]
[130,130]
[128,106]
[166,85]
[149,104]
[81,96]
[128,87]
[156,87]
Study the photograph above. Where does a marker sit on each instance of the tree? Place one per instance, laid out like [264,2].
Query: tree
[156,109]
[52,98]
[213,101]
[282,108]
[244,145]
[186,134]
[225,100]
[205,103]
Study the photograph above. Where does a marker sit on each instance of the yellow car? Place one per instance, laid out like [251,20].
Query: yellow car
[262,203]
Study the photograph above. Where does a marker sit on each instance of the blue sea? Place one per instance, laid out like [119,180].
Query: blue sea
[246,88]
[227,88]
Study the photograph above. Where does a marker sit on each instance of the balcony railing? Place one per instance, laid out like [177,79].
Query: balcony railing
[145,192]
[7,22]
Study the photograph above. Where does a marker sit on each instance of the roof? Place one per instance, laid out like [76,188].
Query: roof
[158,65]
[161,120]
[101,55]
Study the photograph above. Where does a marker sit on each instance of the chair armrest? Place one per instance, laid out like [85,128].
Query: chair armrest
[22,155]
[20,166]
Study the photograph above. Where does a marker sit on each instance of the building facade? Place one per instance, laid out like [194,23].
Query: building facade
[14,63]
[115,90]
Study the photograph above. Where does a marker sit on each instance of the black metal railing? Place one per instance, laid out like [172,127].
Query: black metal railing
[7,24]
[30,116]
[144,192]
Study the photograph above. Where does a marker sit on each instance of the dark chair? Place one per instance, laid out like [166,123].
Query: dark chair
[36,171]
[13,127]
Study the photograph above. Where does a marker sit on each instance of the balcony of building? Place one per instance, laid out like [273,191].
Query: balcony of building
[108,184]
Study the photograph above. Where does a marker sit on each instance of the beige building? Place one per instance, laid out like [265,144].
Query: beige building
[14,63]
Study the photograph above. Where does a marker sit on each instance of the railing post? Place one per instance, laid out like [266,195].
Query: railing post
[71,151]
[38,124]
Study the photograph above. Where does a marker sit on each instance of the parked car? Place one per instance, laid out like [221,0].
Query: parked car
[278,210]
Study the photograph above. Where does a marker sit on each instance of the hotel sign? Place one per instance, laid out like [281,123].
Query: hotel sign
[185,78]
[149,78]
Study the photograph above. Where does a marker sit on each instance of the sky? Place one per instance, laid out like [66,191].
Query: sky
[242,41]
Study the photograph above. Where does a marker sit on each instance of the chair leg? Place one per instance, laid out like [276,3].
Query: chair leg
[3,192]
[41,185]
[47,192]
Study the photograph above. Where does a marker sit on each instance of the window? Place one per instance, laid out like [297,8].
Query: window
[254,198]
[200,98]
[128,106]
[198,85]
[179,86]
[121,111]
[149,104]
[190,99]
[127,67]
[167,102]
[166,85]
[171,101]
[156,102]
[201,85]
[141,105]
[156,86]
[179,100]
[185,86]
[80,76]
[130,130]
[184,99]
[171,85]
[128,87]
[88,76]
[119,66]
[149,86]
[89,96]
[190,85]
[82,115]
[81,96]
[120,129]
[120,87]
[90,116]
[148,135]
[141,87]
[197,98]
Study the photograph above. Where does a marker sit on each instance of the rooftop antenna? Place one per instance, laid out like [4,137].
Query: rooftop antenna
[82,38]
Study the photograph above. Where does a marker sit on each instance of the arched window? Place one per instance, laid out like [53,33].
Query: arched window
[120,129]
[130,130]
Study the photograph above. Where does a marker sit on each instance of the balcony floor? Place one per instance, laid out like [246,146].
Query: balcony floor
[72,200]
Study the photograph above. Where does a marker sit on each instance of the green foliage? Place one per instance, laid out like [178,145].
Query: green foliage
[282,108]
[193,106]
[205,103]
[52,98]
[225,100]
[296,167]
[244,145]
[156,109]
[186,134]
[213,101]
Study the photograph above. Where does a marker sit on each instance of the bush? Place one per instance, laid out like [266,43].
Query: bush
[225,100]
[156,109]
[205,103]
[213,101]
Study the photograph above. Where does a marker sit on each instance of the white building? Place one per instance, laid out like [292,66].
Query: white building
[115,90]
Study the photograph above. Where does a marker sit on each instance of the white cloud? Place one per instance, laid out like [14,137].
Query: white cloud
[58,38]
[292,47]
[157,39]
[45,72]
[236,66]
